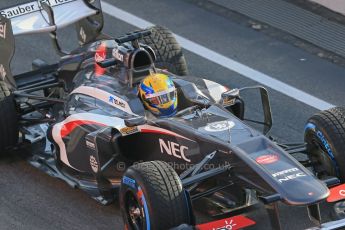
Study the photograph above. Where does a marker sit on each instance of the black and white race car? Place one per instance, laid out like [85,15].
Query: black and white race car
[83,122]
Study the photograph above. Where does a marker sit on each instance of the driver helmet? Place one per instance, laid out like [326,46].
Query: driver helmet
[159,95]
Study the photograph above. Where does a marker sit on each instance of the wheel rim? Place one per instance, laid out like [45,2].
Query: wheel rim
[134,212]
[324,165]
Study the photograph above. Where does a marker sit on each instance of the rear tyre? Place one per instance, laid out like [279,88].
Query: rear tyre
[167,49]
[8,119]
[325,138]
[152,197]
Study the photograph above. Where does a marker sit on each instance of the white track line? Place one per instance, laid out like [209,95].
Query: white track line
[224,61]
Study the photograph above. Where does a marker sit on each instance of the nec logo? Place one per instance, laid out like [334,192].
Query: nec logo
[174,149]
[3,31]
[292,177]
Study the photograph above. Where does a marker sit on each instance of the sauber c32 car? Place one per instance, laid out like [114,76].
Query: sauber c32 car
[83,122]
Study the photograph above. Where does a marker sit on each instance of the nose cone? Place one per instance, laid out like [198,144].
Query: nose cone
[303,191]
[295,184]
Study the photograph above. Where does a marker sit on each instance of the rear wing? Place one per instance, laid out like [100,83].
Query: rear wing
[46,16]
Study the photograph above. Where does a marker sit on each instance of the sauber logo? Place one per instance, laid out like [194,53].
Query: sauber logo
[31,7]
[2,72]
[174,149]
[3,31]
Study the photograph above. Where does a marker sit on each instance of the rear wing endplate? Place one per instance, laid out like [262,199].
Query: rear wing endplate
[30,18]
[46,16]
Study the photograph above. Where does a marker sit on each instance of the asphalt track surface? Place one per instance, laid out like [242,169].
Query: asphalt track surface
[32,200]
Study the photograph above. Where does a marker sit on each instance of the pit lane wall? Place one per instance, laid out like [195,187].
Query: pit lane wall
[334,5]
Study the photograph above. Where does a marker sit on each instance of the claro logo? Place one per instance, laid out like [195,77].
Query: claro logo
[3,31]
[173,149]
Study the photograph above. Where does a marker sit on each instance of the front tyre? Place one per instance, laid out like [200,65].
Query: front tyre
[325,138]
[167,49]
[8,119]
[152,197]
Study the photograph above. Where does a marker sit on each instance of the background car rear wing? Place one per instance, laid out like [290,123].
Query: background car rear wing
[46,16]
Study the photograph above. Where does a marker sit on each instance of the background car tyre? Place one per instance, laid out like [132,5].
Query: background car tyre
[325,138]
[152,197]
[168,51]
[8,119]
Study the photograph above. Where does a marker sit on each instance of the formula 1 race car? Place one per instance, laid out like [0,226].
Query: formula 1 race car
[83,122]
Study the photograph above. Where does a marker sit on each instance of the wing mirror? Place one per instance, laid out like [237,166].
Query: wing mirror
[131,122]
[229,99]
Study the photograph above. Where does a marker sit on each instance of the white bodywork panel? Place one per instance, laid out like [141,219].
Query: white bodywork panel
[30,18]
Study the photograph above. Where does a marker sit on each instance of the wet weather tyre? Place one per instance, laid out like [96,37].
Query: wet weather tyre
[168,52]
[8,119]
[152,197]
[325,138]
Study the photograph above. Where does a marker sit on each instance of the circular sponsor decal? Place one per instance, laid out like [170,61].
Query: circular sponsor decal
[219,126]
[342,192]
[93,163]
[267,159]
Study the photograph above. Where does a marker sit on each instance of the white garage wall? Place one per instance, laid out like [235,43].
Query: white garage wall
[335,5]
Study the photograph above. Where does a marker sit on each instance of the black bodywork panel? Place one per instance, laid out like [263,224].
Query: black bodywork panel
[98,147]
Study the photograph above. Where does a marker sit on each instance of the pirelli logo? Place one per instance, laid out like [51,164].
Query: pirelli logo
[3,31]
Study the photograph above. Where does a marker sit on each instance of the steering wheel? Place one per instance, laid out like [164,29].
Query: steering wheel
[187,110]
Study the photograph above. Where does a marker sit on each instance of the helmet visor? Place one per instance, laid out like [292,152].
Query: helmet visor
[161,98]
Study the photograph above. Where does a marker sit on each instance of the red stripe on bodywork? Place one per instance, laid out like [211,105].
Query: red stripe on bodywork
[162,132]
[100,55]
[70,126]
[236,222]
[155,131]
